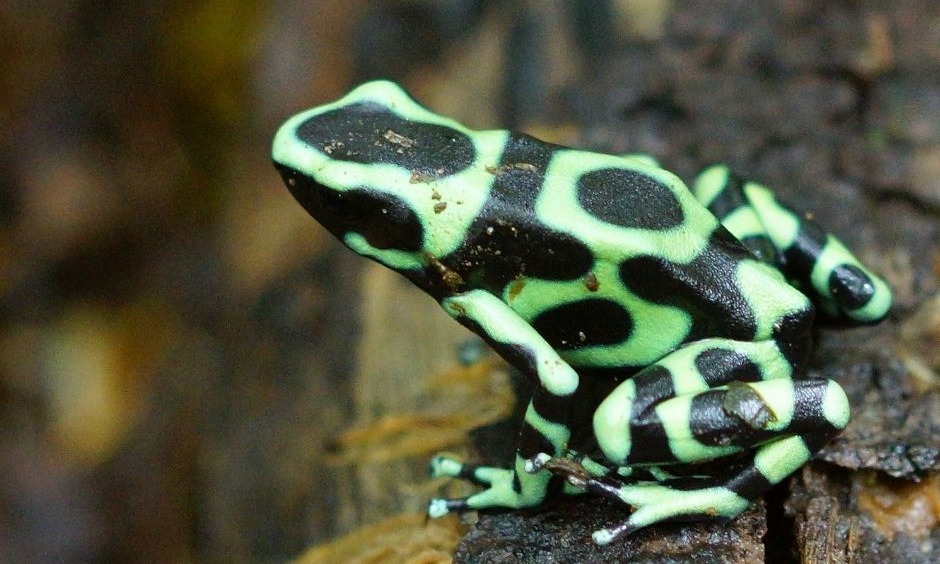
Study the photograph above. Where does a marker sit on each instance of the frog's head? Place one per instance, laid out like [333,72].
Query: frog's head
[389,178]
[372,216]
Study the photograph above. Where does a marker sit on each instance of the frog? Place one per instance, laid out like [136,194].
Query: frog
[694,305]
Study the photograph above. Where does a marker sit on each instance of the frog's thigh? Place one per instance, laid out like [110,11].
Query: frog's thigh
[715,423]
[627,425]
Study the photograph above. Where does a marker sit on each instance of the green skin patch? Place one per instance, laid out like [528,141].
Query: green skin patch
[571,263]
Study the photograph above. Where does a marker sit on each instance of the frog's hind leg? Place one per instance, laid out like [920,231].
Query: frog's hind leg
[819,264]
[708,400]
[695,498]
[798,418]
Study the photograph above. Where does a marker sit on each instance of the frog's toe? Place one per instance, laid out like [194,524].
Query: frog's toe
[610,534]
[438,507]
[654,503]
[442,466]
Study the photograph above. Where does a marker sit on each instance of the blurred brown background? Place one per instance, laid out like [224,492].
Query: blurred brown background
[180,344]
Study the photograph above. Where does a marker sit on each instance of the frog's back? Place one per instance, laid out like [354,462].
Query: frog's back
[612,260]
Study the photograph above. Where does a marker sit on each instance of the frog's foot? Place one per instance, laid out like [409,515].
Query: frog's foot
[680,499]
[654,503]
[693,498]
[505,487]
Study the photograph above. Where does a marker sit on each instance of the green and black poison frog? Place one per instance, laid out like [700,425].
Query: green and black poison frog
[575,265]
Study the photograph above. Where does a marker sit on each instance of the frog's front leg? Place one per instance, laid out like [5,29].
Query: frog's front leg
[545,428]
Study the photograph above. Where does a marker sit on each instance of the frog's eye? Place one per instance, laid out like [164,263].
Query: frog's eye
[334,209]
[339,205]
[386,221]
